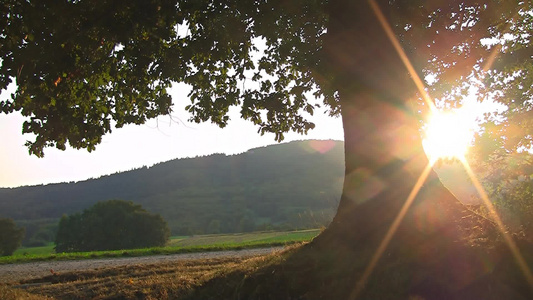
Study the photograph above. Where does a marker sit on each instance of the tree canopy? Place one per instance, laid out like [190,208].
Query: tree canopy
[111,225]
[112,64]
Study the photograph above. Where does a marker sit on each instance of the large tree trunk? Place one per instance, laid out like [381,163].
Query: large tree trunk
[430,255]
[384,161]
[383,148]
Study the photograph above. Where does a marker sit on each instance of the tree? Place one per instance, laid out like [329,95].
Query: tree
[507,178]
[111,225]
[10,237]
[74,80]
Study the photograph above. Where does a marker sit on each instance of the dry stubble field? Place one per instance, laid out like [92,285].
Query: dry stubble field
[154,277]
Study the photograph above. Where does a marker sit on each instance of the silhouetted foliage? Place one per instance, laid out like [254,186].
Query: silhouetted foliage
[115,62]
[507,177]
[10,237]
[111,225]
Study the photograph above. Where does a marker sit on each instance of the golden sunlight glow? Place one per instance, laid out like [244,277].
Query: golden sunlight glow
[446,135]
[449,134]
[503,230]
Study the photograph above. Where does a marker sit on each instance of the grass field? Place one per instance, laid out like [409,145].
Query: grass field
[178,244]
[244,238]
[43,250]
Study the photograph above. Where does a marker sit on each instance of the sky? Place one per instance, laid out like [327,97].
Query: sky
[159,140]
[135,146]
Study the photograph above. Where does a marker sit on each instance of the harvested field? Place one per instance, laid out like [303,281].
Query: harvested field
[153,277]
[26,271]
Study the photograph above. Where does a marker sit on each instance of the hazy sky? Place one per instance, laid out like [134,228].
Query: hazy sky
[136,145]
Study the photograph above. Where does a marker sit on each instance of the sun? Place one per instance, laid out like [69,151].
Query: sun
[449,134]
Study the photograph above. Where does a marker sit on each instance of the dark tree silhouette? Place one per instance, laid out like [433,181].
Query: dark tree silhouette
[10,237]
[111,225]
[79,65]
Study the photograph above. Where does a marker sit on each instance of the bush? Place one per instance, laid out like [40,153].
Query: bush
[111,225]
[10,237]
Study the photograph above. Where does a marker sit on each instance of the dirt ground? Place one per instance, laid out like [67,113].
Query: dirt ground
[15,272]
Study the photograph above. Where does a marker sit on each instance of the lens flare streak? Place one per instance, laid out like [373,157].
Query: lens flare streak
[390,233]
[425,173]
[496,218]
[390,34]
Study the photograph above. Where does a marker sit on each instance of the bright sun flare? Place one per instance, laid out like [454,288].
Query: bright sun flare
[449,134]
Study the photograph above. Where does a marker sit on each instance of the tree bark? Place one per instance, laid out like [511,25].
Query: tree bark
[383,152]
[383,149]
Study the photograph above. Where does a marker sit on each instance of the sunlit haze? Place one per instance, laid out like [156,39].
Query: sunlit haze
[449,134]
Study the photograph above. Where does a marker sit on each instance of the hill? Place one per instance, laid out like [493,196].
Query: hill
[291,185]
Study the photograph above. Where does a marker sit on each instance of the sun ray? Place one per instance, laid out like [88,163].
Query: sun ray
[392,37]
[485,198]
[392,229]
[390,233]
[425,173]
[501,227]
[492,57]
[498,47]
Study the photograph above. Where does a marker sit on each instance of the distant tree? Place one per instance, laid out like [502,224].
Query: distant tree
[10,237]
[69,234]
[111,225]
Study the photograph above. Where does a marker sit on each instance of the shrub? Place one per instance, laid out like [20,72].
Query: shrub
[111,225]
[10,237]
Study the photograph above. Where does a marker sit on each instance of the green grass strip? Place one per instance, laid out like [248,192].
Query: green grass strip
[179,245]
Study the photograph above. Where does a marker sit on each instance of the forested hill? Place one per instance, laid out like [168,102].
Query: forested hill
[280,185]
